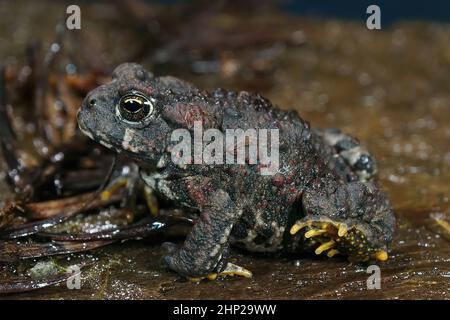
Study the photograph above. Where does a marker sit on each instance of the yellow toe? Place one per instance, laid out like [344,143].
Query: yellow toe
[325,246]
[342,230]
[195,279]
[105,196]
[235,270]
[295,228]
[332,253]
[314,233]
[212,276]
[298,226]
[381,255]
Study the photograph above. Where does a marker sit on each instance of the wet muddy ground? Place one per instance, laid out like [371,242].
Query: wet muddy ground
[390,88]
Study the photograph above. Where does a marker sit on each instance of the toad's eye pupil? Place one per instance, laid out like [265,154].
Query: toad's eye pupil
[134,107]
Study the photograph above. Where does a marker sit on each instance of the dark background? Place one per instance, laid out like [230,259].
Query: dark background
[391,10]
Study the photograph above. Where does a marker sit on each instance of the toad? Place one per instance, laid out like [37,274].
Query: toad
[321,197]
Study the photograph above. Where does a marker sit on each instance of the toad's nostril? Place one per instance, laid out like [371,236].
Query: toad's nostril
[92,102]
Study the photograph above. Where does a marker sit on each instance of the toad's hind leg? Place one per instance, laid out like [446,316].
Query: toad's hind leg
[348,148]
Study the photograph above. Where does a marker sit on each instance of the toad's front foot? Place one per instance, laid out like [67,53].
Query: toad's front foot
[348,238]
[197,273]
[130,183]
[230,270]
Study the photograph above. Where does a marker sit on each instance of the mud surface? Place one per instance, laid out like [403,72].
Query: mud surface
[390,88]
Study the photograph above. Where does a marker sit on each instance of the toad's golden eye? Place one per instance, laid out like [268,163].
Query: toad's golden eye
[134,107]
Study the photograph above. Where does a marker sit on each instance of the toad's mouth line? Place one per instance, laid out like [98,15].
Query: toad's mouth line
[97,139]
[85,131]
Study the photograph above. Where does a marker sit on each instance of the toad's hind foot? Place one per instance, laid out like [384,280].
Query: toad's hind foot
[334,237]
[231,269]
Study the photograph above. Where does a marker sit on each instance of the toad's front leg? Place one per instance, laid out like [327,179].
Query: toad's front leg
[203,253]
